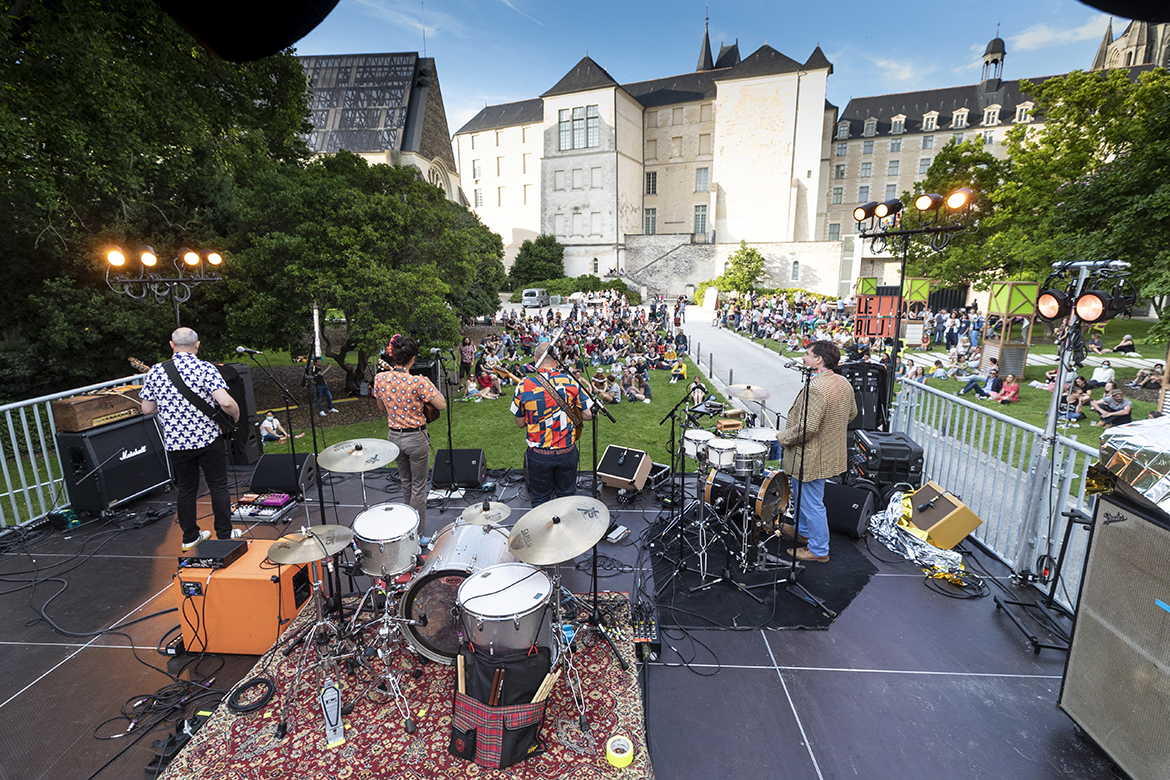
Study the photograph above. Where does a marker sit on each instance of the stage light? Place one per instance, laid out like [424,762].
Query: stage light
[960,198]
[932,202]
[887,209]
[862,213]
[1094,306]
[147,257]
[215,258]
[189,257]
[116,257]
[1053,305]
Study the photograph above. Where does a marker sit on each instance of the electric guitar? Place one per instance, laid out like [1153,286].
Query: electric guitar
[217,415]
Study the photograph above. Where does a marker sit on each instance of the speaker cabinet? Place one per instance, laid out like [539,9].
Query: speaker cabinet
[112,464]
[239,384]
[470,469]
[946,519]
[621,467]
[871,389]
[1117,677]
[275,473]
[242,608]
[246,446]
[848,508]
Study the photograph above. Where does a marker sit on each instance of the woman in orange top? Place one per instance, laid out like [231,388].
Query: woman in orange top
[1010,392]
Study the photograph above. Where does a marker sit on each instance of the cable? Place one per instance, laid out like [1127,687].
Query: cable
[235,704]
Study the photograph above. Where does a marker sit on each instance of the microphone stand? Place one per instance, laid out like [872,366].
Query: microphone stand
[289,399]
[677,512]
[447,396]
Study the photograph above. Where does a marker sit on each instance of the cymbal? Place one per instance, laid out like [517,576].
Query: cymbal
[496,512]
[748,393]
[559,530]
[313,544]
[357,455]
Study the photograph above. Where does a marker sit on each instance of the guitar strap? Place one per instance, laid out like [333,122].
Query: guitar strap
[552,390]
[185,390]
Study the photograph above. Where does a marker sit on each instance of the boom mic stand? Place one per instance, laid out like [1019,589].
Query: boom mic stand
[289,399]
[677,511]
[447,398]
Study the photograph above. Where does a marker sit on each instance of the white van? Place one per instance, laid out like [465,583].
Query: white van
[535,296]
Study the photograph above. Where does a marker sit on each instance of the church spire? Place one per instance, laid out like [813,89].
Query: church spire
[705,61]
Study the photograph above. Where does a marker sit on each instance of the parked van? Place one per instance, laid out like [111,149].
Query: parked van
[535,296]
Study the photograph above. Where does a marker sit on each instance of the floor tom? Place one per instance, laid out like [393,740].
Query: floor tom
[505,608]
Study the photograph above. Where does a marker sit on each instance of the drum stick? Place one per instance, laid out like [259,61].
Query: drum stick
[460,686]
[497,687]
[546,687]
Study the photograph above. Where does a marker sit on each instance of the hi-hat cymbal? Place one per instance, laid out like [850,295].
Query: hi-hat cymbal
[559,530]
[496,512]
[357,455]
[748,393]
[312,544]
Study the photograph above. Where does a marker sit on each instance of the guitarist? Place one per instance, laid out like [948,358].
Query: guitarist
[405,399]
[193,438]
[551,408]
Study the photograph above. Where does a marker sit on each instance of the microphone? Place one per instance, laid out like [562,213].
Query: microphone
[927,505]
[622,458]
[434,350]
[793,363]
[246,351]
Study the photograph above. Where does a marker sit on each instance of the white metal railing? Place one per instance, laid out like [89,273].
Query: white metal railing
[31,467]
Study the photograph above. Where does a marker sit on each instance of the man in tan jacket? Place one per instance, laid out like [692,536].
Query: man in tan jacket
[815,448]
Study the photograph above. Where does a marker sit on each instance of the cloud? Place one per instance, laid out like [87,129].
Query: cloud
[517,10]
[897,71]
[1042,36]
[411,15]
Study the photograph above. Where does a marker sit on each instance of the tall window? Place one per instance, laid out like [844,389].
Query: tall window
[701,179]
[474,141]
[650,221]
[843,130]
[1023,114]
[565,126]
[863,194]
[897,126]
[838,195]
[894,165]
[866,170]
[479,199]
[839,171]
[578,128]
[896,145]
[796,269]
[988,137]
[596,266]
[991,116]
[891,191]
[592,126]
[651,182]
[924,165]
[957,137]
[841,149]
[871,127]
[960,119]
[835,232]
[476,169]
[867,147]
[928,142]
[700,219]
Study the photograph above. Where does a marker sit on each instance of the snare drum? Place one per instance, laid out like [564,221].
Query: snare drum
[387,536]
[765,436]
[721,453]
[695,443]
[749,457]
[767,496]
[457,552]
[504,608]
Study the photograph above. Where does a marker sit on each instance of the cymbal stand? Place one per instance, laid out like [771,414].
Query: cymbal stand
[678,512]
[378,635]
[565,647]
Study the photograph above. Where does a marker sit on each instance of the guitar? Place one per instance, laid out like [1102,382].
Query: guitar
[430,411]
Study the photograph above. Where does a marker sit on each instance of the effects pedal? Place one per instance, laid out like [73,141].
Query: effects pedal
[647,644]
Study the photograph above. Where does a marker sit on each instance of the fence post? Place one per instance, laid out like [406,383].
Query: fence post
[731,376]
[711,364]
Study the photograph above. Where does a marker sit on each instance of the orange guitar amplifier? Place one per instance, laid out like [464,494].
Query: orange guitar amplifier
[242,608]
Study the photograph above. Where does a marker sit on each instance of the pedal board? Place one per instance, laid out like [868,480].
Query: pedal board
[647,644]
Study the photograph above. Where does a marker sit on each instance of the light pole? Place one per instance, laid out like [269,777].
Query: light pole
[191,270]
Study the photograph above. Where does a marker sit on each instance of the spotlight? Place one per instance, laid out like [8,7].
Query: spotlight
[862,213]
[960,198]
[116,257]
[1053,304]
[189,257]
[1093,305]
[932,202]
[887,209]
[215,258]
[148,257]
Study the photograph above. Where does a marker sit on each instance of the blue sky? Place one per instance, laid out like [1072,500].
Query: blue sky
[498,51]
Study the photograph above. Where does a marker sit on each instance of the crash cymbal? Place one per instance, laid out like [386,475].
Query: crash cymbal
[748,393]
[495,512]
[559,530]
[311,544]
[357,455]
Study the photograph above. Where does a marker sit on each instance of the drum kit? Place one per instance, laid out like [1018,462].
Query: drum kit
[477,582]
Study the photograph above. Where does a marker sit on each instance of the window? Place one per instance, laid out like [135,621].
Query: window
[476,169]
[558,180]
[988,137]
[565,127]
[835,232]
[1023,113]
[928,142]
[499,137]
[957,138]
[866,170]
[896,145]
[651,149]
[929,122]
[676,116]
[651,119]
[796,270]
[651,182]
[593,122]
[898,126]
[867,147]
[843,130]
[479,199]
[894,165]
[578,128]
[700,219]
[596,266]
[839,171]
[838,196]
[499,166]
[871,127]
[841,149]
[701,179]
[650,221]
[676,146]
[705,114]
[578,179]
[595,178]
[527,193]
[924,165]
[705,144]
[991,116]
[500,196]
[474,141]
[863,194]
[960,119]
[891,191]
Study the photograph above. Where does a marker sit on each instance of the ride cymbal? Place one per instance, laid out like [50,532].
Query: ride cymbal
[486,513]
[356,455]
[558,530]
[748,393]
[312,544]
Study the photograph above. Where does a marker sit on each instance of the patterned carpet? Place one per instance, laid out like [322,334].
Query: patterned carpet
[377,745]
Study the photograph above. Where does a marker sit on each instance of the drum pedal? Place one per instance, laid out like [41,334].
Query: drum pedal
[644,626]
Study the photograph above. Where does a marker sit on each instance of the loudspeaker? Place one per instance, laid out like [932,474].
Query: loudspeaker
[848,508]
[428,368]
[621,467]
[112,464]
[241,608]
[239,384]
[1117,676]
[275,473]
[946,519]
[246,446]
[871,389]
[470,469]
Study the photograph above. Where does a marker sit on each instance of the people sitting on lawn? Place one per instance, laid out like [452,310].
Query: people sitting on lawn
[1093,344]
[1009,393]
[1126,345]
[1115,409]
[1148,378]
[1102,374]
[1070,407]
[678,371]
[983,386]
[938,372]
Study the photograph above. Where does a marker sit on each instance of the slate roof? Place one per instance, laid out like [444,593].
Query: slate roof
[764,61]
[523,112]
[705,61]
[585,75]
[728,56]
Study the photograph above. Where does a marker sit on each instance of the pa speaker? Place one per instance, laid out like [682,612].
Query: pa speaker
[470,467]
[848,508]
[624,468]
[946,519]
[1117,676]
[871,389]
[246,447]
[112,464]
[278,474]
[238,377]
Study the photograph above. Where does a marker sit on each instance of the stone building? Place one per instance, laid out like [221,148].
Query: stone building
[1141,43]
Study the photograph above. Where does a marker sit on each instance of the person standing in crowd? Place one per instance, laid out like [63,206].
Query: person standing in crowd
[466,358]
[402,396]
[551,408]
[193,440]
[815,447]
[317,372]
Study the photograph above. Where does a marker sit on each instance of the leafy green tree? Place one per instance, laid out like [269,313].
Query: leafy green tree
[537,260]
[744,268]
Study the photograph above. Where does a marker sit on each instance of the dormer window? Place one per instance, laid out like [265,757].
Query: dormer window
[960,119]
[898,125]
[871,127]
[843,130]
[930,121]
[1024,112]
[991,115]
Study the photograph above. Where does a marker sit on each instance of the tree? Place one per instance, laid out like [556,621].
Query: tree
[537,260]
[744,269]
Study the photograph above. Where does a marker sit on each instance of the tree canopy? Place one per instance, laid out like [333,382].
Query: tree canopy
[537,259]
[744,268]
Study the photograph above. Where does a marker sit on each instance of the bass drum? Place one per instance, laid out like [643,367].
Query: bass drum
[456,552]
[767,496]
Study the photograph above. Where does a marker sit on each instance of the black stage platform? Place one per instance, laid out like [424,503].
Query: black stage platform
[905,684]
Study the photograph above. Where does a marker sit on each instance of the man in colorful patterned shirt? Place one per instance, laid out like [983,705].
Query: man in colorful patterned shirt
[550,464]
[192,439]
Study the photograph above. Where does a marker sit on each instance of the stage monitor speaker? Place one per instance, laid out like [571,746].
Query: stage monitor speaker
[1117,676]
[246,447]
[470,469]
[623,468]
[848,508]
[275,473]
[114,463]
[241,608]
[946,519]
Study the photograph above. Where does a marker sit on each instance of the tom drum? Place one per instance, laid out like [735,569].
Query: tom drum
[387,537]
[504,608]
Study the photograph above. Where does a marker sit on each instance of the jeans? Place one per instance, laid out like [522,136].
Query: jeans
[551,476]
[814,521]
[974,383]
[414,454]
[186,465]
[323,392]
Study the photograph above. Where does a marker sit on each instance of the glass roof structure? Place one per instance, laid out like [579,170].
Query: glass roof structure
[358,102]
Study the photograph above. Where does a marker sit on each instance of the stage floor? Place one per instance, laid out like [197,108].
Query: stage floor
[906,683]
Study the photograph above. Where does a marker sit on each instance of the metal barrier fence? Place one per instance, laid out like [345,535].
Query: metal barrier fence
[31,467]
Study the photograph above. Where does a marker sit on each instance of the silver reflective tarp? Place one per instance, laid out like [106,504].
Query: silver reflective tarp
[886,527]
[1138,454]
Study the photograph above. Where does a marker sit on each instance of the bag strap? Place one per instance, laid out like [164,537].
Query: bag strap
[185,390]
[562,402]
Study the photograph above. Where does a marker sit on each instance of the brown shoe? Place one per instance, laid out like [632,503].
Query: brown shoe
[787,529]
[803,554]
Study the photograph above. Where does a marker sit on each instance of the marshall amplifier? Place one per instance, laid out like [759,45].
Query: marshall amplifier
[106,466]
